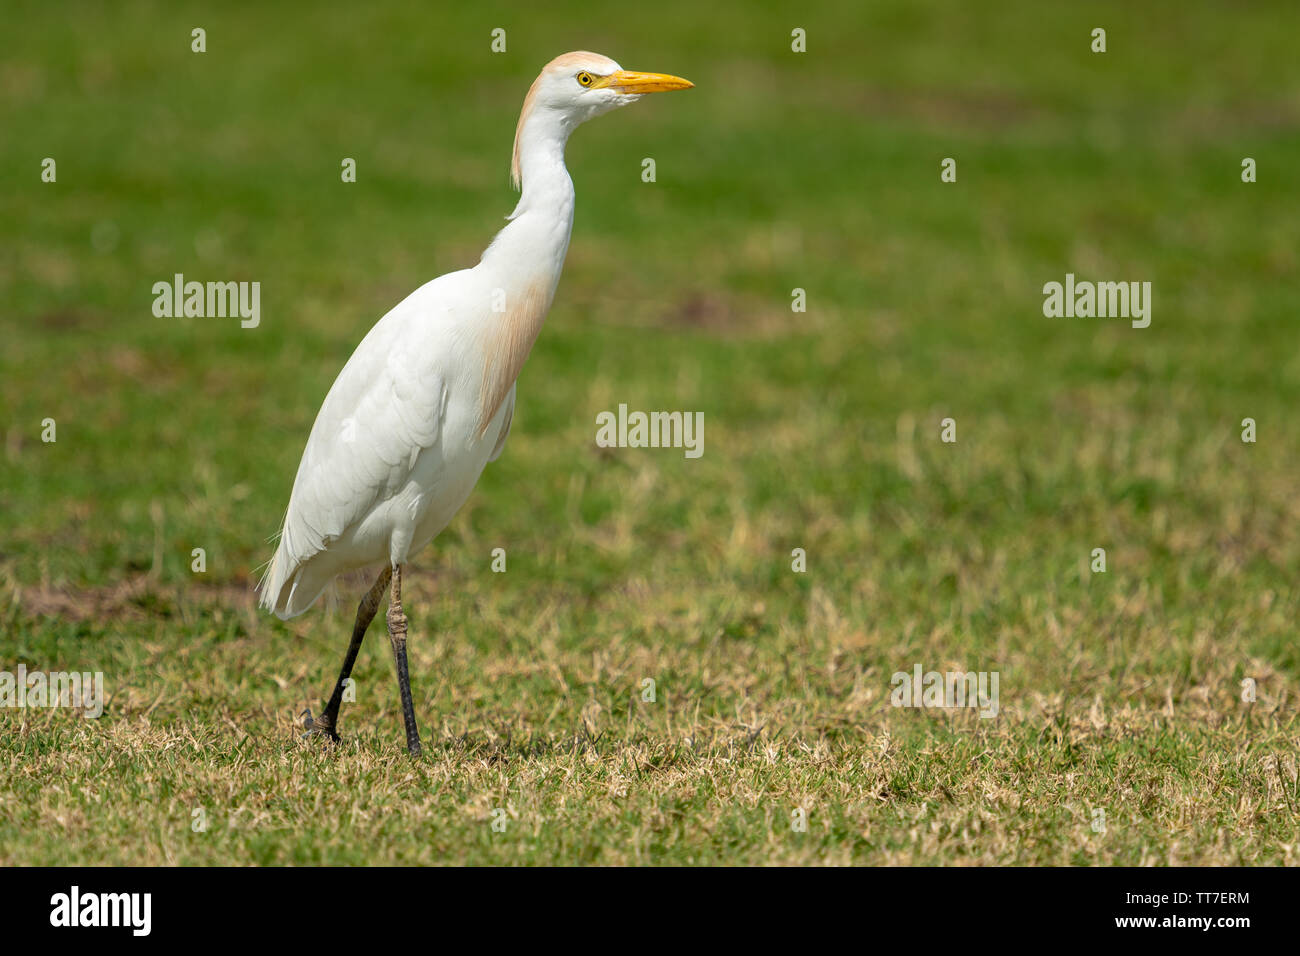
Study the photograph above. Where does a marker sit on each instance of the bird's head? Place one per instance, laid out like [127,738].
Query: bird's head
[574,87]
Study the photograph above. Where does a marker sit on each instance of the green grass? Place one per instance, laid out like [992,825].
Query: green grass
[1119,691]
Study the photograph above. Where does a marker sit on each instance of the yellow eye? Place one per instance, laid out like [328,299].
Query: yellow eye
[584,79]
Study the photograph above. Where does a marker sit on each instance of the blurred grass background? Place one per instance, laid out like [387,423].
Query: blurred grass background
[779,170]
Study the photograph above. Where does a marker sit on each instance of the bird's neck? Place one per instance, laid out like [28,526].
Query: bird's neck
[538,234]
[545,185]
[522,267]
[526,256]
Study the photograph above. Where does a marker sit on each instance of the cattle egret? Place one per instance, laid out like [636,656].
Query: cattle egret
[426,400]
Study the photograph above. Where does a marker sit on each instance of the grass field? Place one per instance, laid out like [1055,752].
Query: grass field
[1120,691]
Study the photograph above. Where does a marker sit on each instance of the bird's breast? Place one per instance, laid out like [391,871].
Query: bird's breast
[507,340]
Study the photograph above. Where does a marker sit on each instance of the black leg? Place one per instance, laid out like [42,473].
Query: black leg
[397,637]
[327,723]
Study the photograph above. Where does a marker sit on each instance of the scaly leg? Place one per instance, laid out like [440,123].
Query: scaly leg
[397,637]
[327,723]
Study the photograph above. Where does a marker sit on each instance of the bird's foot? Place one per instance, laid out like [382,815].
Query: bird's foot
[322,726]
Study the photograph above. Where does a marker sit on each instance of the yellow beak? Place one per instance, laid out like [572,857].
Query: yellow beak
[630,81]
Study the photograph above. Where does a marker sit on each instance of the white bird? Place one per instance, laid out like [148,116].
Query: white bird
[426,400]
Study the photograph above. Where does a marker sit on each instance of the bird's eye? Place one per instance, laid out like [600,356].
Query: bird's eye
[584,79]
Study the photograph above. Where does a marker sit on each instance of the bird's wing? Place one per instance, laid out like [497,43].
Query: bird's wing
[505,427]
[385,408]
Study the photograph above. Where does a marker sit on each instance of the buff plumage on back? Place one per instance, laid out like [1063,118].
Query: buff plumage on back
[565,61]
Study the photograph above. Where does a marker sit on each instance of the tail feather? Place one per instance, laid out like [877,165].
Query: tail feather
[289,587]
[271,589]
